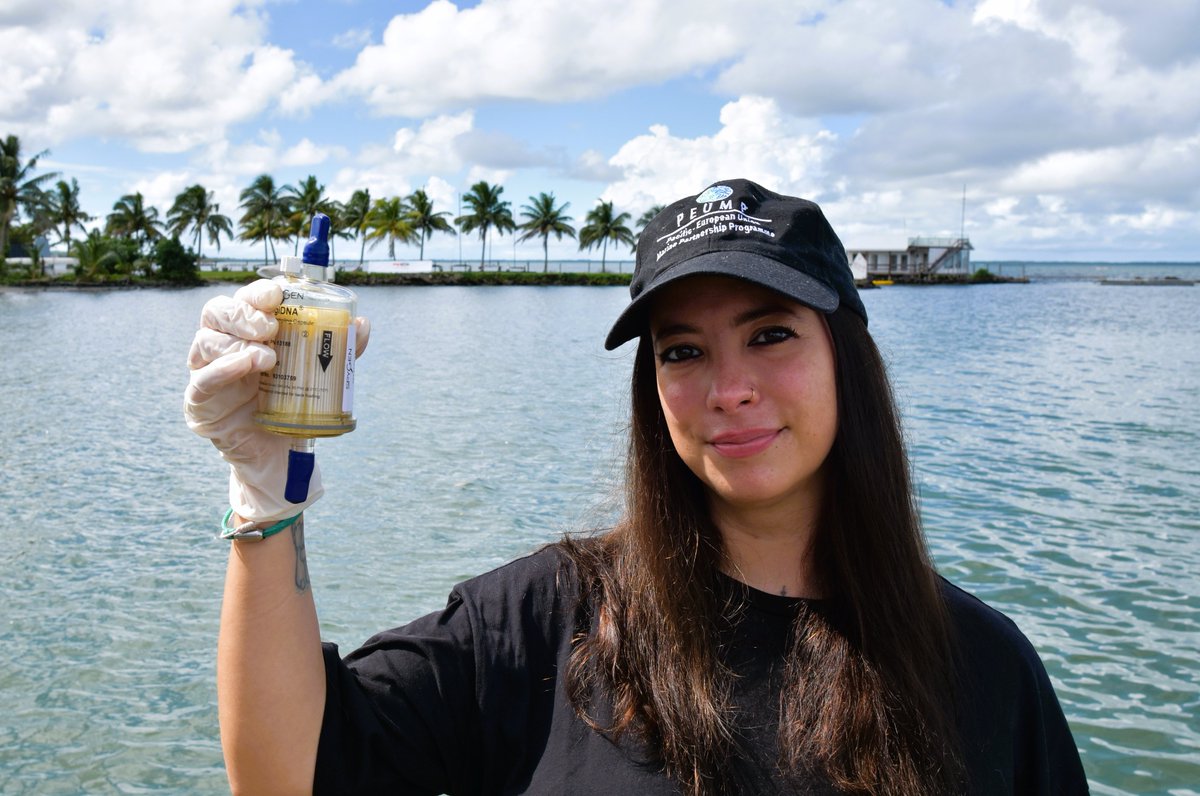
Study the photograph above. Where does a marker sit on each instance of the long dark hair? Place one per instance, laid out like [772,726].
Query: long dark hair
[865,701]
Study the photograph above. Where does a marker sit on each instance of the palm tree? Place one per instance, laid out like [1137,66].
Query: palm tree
[424,220]
[305,200]
[18,187]
[64,210]
[644,220]
[95,256]
[356,215]
[337,226]
[487,211]
[602,226]
[266,213]
[544,219]
[256,229]
[389,220]
[648,216]
[195,209]
[131,218]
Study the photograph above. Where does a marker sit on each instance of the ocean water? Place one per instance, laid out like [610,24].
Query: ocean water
[1054,430]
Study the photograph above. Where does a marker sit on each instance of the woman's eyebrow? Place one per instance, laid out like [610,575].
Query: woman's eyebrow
[673,329]
[762,311]
[749,316]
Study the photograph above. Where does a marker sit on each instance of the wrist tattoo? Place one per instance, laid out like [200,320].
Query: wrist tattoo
[301,573]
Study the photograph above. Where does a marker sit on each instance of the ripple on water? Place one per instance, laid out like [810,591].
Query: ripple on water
[1053,445]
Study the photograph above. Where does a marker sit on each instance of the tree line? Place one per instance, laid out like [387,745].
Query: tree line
[34,205]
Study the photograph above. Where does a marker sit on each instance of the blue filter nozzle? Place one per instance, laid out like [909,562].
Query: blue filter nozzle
[316,251]
[299,473]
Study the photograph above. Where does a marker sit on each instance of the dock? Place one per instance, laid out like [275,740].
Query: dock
[1153,281]
[923,261]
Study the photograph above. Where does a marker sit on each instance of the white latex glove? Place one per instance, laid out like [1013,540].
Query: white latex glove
[228,354]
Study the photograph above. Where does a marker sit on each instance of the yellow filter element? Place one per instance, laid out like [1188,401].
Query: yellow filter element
[310,392]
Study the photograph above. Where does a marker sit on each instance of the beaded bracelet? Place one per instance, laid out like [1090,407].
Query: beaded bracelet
[247,530]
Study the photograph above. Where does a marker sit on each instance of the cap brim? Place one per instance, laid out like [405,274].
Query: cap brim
[754,268]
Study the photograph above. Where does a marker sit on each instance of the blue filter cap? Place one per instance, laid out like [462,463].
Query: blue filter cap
[299,473]
[316,251]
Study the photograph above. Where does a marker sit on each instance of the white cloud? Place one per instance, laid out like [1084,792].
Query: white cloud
[430,148]
[1160,169]
[167,75]
[303,94]
[1153,219]
[443,195]
[444,57]
[1106,69]
[352,39]
[265,154]
[1022,13]
[306,153]
[852,57]
[948,90]
[756,140]
[499,150]
[592,165]
[1069,203]
[434,144]
[1070,121]
[159,191]
[482,173]
[1001,206]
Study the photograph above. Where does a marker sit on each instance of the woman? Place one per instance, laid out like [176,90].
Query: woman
[764,618]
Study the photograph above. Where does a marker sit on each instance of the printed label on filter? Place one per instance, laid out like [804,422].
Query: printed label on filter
[310,377]
[351,357]
[309,392]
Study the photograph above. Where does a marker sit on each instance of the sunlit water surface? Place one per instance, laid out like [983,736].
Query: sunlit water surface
[1054,431]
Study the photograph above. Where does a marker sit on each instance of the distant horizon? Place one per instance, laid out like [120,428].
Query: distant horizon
[629,259]
[1087,262]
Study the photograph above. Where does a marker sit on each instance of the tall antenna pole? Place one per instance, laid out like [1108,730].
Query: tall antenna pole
[962,229]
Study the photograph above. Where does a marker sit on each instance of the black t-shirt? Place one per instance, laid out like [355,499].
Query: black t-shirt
[471,700]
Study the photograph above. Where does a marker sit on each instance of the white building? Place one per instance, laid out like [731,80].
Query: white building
[923,260]
[51,266]
[400,267]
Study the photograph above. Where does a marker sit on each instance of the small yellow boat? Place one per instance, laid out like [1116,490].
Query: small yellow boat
[881,282]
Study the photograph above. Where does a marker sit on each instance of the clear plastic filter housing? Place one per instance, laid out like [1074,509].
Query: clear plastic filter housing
[310,391]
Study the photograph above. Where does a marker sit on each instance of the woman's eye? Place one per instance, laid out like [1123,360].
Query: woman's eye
[775,334]
[679,353]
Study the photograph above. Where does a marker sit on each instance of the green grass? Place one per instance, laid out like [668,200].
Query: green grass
[343,278]
[241,277]
[108,281]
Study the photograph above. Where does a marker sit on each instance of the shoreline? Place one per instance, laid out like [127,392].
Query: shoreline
[445,278]
[348,278]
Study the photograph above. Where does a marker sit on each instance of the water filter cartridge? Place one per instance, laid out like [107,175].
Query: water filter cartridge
[310,391]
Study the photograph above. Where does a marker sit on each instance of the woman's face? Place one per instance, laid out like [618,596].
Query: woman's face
[747,383]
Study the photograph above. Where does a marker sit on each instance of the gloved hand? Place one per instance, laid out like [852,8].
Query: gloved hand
[227,356]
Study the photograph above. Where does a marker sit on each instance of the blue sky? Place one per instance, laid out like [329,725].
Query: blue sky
[1074,126]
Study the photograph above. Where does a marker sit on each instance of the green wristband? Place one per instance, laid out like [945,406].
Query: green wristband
[249,530]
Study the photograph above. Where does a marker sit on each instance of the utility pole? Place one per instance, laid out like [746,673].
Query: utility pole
[962,233]
[962,229]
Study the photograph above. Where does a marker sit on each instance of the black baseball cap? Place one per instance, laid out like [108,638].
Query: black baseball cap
[738,228]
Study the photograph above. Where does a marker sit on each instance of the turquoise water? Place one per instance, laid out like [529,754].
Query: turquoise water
[1053,429]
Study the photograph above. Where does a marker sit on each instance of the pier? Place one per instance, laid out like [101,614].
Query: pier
[925,260]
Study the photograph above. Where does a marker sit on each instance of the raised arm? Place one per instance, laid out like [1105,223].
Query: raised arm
[270,674]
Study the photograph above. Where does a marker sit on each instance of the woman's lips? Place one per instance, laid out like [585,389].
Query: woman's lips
[747,442]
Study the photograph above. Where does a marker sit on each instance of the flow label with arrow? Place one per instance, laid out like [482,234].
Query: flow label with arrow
[325,354]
